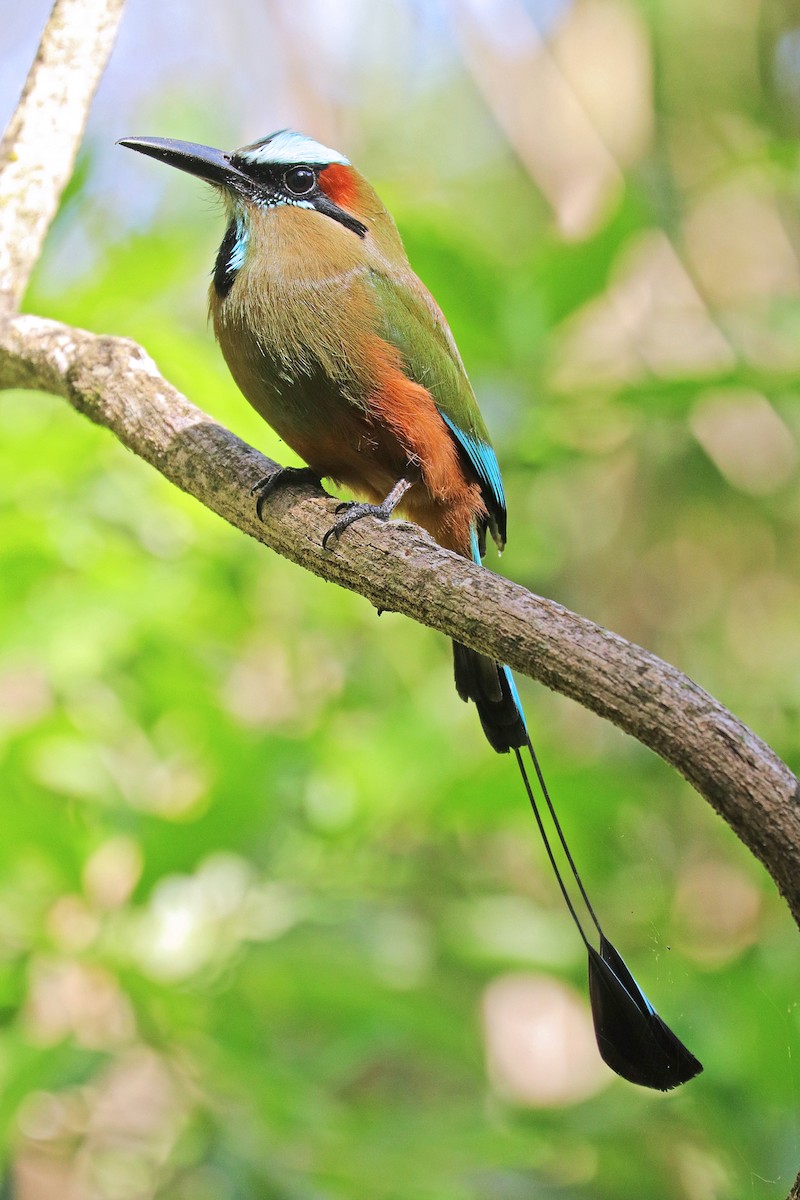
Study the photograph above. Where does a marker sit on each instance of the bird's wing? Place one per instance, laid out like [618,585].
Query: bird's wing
[412,322]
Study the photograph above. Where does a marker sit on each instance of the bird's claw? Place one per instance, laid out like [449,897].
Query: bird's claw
[268,483]
[353,511]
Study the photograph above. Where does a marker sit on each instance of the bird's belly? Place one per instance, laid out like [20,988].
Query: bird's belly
[345,406]
[324,419]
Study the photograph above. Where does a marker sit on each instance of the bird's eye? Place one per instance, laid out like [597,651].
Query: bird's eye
[300,181]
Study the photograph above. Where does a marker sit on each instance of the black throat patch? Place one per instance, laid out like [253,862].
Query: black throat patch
[230,257]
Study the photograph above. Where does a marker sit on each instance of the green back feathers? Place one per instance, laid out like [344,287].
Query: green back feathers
[411,321]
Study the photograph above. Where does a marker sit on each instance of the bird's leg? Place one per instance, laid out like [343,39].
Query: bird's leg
[266,486]
[352,511]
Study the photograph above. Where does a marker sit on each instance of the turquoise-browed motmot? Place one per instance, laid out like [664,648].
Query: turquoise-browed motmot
[338,345]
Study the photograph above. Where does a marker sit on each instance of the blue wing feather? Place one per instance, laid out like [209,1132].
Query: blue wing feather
[487,468]
[483,459]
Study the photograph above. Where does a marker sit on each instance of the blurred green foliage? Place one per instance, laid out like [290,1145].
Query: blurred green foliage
[258,867]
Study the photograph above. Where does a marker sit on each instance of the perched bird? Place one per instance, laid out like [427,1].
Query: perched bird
[338,345]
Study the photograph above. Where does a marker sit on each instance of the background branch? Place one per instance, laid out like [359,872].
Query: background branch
[41,142]
[397,566]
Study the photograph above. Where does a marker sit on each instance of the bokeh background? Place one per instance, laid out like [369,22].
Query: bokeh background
[274,922]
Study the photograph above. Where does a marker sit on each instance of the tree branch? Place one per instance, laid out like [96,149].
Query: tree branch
[41,142]
[397,566]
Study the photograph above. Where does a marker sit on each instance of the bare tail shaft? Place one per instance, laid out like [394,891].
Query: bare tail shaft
[632,1038]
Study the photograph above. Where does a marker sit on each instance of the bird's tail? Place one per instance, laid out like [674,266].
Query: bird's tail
[492,690]
[631,1037]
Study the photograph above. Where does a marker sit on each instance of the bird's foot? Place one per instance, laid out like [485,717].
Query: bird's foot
[266,486]
[353,511]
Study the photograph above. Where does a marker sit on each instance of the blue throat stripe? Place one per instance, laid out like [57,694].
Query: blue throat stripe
[241,241]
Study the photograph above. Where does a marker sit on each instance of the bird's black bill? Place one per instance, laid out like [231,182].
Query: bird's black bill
[631,1037]
[204,161]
